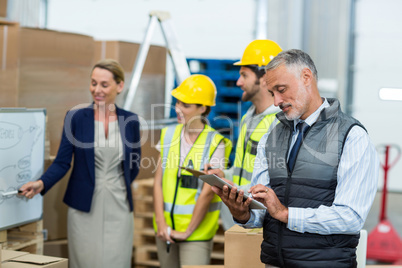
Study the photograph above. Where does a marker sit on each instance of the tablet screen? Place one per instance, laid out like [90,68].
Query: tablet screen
[214,180]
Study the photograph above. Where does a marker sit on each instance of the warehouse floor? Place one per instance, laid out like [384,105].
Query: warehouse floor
[393,214]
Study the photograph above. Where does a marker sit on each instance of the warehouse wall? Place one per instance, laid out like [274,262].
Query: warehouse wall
[321,28]
[378,64]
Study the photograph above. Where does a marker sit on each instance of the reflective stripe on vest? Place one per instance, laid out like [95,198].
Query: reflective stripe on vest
[245,153]
[188,209]
[180,188]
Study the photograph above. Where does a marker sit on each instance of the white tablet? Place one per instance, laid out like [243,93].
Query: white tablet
[214,180]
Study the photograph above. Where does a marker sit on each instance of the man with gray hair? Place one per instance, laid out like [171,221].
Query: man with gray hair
[319,174]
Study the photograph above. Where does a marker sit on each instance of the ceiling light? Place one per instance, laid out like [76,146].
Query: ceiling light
[391,94]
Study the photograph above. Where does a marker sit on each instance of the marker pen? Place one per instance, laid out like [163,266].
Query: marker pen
[12,193]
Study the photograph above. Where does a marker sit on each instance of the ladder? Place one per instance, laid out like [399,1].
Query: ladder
[173,48]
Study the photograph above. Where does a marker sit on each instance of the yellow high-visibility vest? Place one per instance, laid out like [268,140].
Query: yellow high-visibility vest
[246,152]
[180,188]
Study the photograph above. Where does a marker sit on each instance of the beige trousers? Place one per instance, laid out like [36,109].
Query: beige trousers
[184,253]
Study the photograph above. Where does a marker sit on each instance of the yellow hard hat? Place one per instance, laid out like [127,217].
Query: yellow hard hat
[259,52]
[197,89]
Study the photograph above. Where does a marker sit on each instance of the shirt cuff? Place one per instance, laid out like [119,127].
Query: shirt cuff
[296,218]
[249,224]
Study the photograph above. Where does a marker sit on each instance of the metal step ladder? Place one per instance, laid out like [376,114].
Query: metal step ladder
[173,48]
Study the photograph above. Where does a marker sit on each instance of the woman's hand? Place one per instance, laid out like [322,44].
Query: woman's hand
[32,188]
[164,232]
[208,169]
[180,235]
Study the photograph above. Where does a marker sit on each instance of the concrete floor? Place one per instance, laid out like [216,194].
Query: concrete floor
[393,214]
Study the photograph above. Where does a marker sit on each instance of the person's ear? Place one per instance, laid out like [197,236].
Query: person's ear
[203,109]
[120,87]
[263,82]
[307,76]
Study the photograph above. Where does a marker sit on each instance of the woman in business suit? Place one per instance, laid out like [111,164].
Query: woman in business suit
[105,142]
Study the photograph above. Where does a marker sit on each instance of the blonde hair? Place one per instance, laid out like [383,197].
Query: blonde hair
[112,66]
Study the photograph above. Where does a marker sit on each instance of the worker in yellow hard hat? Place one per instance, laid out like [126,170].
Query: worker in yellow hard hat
[259,118]
[186,210]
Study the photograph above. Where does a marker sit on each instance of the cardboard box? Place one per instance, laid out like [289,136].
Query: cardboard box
[3,8]
[19,259]
[9,62]
[54,73]
[56,248]
[44,69]
[203,266]
[149,155]
[54,209]
[384,266]
[243,247]
[126,52]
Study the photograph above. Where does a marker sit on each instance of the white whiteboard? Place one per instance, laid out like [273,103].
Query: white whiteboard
[22,149]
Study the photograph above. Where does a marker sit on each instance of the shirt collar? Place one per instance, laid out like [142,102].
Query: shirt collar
[314,116]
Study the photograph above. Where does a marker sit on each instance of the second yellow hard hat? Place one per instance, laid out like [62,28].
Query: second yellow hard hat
[259,52]
[197,89]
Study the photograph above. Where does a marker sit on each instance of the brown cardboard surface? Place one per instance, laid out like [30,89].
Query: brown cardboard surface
[203,266]
[37,259]
[57,248]
[125,53]
[54,74]
[11,254]
[3,236]
[3,8]
[384,266]
[243,247]
[19,259]
[9,49]
[149,155]
[54,210]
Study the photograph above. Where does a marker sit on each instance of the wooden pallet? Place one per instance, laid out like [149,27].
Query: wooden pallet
[27,237]
[145,252]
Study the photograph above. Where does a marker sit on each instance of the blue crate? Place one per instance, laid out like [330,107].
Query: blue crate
[223,78]
[234,92]
[227,108]
[221,124]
